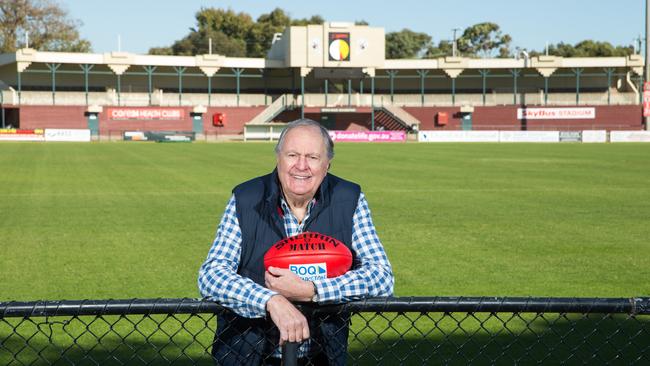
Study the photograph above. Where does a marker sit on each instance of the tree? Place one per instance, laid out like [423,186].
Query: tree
[587,48]
[444,48]
[233,34]
[260,35]
[483,39]
[46,23]
[407,44]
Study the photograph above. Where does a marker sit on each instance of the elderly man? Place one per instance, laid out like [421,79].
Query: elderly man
[299,195]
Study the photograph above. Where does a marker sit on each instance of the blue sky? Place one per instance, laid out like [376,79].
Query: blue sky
[142,24]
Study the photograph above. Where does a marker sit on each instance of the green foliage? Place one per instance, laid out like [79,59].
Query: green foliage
[444,48]
[484,40]
[233,34]
[47,24]
[238,35]
[586,48]
[121,220]
[406,44]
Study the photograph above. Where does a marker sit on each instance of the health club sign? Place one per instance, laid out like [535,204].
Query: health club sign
[339,46]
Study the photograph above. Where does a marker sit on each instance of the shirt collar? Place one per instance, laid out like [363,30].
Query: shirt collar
[285,209]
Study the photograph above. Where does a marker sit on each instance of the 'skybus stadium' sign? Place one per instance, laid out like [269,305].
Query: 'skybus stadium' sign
[556,113]
[145,113]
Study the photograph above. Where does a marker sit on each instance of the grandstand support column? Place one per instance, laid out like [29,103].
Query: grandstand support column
[119,89]
[609,71]
[546,72]
[21,66]
[238,71]
[118,70]
[349,92]
[546,90]
[149,70]
[304,71]
[264,81]
[86,70]
[118,62]
[453,91]
[370,71]
[515,74]
[372,103]
[302,96]
[577,71]
[326,89]
[53,68]
[209,72]
[640,88]
[210,91]
[180,71]
[423,74]
[484,73]
[391,76]
[20,85]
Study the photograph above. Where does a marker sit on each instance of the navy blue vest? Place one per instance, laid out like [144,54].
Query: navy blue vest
[262,225]
[261,222]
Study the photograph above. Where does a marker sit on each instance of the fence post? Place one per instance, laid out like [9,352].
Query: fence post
[290,353]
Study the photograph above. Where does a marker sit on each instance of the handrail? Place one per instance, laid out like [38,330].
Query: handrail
[634,305]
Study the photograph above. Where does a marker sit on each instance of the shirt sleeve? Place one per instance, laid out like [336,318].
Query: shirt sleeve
[373,275]
[218,279]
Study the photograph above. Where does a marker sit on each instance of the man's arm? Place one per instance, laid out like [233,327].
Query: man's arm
[218,279]
[373,276]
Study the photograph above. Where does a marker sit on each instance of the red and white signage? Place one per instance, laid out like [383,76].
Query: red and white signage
[22,135]
[118,114]
[368,136]
[556,113]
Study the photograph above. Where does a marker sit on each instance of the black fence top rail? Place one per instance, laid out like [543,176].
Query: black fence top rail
[634,306]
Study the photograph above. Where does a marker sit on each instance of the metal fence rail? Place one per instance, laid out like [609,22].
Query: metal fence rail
[384,331]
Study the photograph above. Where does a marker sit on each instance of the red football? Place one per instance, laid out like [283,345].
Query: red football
[310,255]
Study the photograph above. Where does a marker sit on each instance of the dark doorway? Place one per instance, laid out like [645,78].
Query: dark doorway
[9,118]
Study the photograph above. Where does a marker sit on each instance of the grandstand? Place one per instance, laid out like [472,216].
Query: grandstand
[335,73]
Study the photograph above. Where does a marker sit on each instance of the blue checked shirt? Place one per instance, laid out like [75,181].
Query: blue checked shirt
[219,281]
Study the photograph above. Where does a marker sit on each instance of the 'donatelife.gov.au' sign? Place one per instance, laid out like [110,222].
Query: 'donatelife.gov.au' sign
[368,136]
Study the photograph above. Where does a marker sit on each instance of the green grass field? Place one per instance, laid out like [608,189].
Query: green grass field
[123,220]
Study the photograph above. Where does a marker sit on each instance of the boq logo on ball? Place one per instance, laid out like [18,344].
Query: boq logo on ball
[310,255]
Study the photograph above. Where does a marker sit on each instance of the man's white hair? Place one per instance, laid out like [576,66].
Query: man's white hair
[329,144]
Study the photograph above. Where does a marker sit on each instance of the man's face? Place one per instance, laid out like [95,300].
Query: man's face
[302,163]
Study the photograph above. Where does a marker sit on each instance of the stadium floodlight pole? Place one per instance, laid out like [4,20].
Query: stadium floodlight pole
[646,74]
[453,44]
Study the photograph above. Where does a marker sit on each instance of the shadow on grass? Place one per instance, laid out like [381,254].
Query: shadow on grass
[375,339]
[500,339]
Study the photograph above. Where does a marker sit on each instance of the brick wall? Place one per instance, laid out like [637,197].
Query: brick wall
[236,117]
[614,117]
[52,117]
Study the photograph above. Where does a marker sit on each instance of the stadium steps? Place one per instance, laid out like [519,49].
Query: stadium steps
[391,119]
[278,106]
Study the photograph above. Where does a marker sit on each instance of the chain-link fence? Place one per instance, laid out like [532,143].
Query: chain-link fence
[383,331]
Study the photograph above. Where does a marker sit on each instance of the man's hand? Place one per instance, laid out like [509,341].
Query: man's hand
[289,320]
[288,284]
